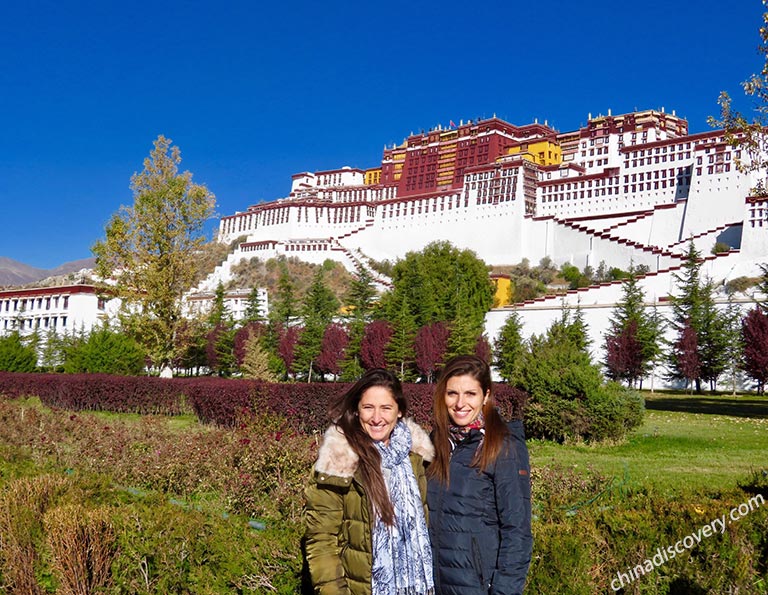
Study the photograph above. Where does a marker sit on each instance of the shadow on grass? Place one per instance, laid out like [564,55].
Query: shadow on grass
[736,407]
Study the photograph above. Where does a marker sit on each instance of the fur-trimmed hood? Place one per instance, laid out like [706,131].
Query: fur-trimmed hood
[337,458]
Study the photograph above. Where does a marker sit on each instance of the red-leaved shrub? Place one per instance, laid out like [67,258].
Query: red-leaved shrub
[219,401]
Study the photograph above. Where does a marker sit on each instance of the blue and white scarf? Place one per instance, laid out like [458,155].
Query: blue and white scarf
[402,557]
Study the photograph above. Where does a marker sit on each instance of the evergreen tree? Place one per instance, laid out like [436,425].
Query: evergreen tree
[104,351]
[400,352]
[15,355]
[361,295]
[712,337]
[220,341]
[360,302]
[553,365]
[52,352]
[253,307]
[283,306]
[280,340]
[572,329]
[694,307]
[440,283]
[463,336]
[219,312]
[509,347]
[220,349]
[319,308]
[633,340]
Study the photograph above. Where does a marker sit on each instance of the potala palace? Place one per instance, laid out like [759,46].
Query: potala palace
[631,188]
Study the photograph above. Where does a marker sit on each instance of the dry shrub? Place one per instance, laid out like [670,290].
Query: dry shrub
[22,506]
[270,463]
[82,543]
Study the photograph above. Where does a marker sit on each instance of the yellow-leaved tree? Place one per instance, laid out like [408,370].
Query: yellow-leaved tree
[149,250]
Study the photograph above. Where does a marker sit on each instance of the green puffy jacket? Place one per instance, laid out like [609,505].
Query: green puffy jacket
[337,517]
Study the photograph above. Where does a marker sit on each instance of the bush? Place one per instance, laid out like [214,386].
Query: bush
[78,535]
[22,505]
[221,401]
[123,394]
[270,465]
[599,537]
[609,412]
[165,548]
[99,392]
[569,399]
[15,356]
[104,351]
[81,542]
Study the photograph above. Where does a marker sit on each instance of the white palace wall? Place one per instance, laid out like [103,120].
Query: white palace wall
[597,306]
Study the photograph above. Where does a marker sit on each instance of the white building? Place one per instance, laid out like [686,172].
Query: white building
[62,310]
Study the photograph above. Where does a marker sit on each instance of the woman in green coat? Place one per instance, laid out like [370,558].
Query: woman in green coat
[365,514]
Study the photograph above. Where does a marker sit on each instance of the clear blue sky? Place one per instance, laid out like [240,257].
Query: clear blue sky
[253,92]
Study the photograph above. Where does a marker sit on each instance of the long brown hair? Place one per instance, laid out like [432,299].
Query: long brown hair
[495,428]
[344,414]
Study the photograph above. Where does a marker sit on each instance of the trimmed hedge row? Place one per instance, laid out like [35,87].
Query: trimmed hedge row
[216,400]
[98,392]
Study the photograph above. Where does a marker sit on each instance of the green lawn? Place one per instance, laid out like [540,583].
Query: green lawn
[684,443]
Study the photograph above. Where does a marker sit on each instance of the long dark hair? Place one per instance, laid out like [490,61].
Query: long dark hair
[343,412]
[495,428]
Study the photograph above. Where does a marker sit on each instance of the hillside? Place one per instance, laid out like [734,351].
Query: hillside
[14,273]
[258,273]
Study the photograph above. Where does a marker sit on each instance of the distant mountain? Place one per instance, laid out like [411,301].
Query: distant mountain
[72,267]
[13,273]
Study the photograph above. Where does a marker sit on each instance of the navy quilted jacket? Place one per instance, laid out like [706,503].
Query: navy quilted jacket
[480,523]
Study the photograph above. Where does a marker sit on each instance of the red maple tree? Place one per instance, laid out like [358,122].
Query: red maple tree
[332,348]
[374,344]
[430,345]
[624,354]
[754,332]
[687,354]
[286,346]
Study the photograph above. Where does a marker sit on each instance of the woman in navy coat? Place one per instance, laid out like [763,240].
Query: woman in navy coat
[479,491]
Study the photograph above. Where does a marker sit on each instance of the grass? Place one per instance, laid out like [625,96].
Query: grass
[685,443]
[173,422]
